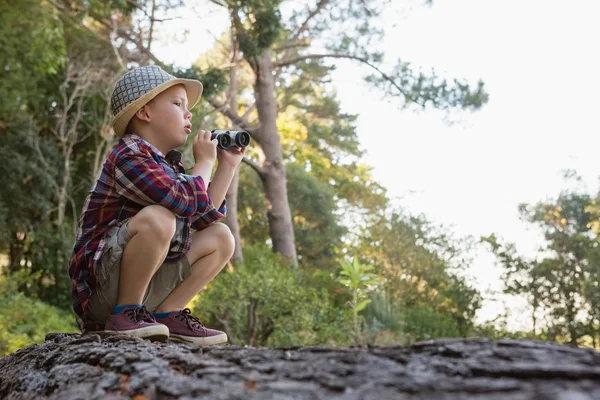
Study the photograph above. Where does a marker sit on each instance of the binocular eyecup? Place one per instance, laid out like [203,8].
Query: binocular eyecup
[227,139]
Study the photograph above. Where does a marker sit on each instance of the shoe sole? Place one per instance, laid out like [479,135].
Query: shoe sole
[159,333]
[201,341]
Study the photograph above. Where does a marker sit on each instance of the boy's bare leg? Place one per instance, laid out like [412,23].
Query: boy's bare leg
[152,230]
[211,249]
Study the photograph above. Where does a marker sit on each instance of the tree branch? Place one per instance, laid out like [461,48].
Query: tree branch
[363,60]
[248,111]
[219,3]
[313,14]
[109,26]
[291,45]
[236,119]
[151,30]
[303,27]
[254,166]
[151,17]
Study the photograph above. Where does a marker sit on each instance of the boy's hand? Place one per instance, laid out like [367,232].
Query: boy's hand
[231,157]
[205,150]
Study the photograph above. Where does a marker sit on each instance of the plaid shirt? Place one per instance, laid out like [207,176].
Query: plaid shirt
[135,175]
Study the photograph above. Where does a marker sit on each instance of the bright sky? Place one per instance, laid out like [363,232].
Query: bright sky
[540,64]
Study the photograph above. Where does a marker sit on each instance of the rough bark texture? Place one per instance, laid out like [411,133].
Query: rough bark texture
[232,218]
[278,210]
[120,367]
[232,191]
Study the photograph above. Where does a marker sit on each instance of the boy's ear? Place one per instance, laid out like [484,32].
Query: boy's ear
[143,113]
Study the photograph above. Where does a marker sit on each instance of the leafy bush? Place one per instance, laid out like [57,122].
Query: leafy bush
[265,303]
[423,323]
[24,320]
[389,323]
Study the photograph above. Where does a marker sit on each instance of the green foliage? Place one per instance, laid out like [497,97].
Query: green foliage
[562,283]
[47,257]
[102,8]
[257,25]
[27,187]
[421,267]
[417,88]
[33,50]
[351,29]
[30,237]
[213,79]
[262,302]
[266,303]
[317,226]
[318,136]
[24,320]
[359,281]
[423,322]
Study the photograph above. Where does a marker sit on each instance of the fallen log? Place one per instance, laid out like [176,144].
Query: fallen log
[70,366]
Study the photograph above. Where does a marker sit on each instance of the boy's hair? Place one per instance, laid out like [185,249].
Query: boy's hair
[138,87]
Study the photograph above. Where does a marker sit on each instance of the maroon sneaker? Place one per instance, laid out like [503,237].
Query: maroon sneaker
[183,327]
[137,322]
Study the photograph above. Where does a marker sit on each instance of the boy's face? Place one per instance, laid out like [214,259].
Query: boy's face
[170,120]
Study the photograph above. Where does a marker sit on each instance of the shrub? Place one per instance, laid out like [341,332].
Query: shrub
[25,320]
[266,303]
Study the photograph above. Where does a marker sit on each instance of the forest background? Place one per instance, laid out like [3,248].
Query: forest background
[359,211]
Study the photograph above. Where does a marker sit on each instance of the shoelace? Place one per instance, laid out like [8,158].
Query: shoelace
[191,321]
[139,314]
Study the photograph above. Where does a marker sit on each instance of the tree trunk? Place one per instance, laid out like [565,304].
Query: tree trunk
[16,250]
[232,218]
[281,228]
[62,192]
[101,366]
[232,192]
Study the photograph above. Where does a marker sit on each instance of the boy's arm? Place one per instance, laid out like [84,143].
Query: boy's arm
[217,190]
[203,170]
[140,178]
[220,183]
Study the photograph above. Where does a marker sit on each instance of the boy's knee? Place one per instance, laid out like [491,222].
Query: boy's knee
[225,238]
[156,219]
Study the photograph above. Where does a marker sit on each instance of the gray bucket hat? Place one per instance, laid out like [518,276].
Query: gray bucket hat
[140,85]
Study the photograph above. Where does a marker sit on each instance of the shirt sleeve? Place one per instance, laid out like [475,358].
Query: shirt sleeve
[202,220]
[140,178]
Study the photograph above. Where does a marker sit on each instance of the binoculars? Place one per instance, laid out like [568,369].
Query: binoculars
[227,139]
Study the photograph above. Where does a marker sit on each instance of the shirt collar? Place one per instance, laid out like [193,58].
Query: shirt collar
[152,147]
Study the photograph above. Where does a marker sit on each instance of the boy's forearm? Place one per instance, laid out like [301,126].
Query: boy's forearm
[203,169]
[220,183]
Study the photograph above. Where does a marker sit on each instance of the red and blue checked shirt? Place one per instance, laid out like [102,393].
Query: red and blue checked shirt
[135,175]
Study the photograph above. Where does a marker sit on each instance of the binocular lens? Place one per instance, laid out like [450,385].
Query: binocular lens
[224,141]
[242,139]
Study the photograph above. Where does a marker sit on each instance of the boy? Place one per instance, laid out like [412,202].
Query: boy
[135,263]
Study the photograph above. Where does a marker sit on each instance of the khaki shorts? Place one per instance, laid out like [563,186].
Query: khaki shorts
[104,299]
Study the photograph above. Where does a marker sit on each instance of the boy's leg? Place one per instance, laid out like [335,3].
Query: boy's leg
[211,249]
[152,230]
[132,257]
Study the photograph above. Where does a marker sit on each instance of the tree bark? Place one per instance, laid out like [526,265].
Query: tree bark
[281,228]
[15,252]
[232,192]
[69,367]
[232,218]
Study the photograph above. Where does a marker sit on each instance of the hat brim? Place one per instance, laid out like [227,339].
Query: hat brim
[193,89]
